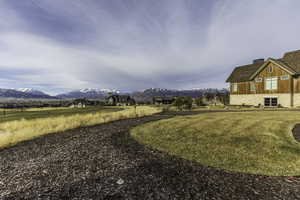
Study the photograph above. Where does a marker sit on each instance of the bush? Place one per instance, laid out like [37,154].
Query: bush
[183,103]
[188,103]
[179,102]
[199,101]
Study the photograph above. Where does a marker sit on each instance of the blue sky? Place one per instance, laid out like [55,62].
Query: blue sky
[57,46]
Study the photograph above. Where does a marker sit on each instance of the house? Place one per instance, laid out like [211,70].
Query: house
[120,100]
[80,103]
[269,83]
[163,100]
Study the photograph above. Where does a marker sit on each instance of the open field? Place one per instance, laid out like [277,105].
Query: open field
[250,142]
[38,113]
[37,123]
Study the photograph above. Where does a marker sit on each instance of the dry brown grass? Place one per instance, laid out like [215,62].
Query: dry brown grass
[13,132]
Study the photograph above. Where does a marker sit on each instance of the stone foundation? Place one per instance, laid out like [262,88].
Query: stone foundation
[297,100]
[256,99]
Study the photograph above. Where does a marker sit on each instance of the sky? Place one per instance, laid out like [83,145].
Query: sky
[58,46]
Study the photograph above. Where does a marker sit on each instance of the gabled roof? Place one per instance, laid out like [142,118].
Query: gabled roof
[277,62]
[243,73]
[292,59]
[290,63]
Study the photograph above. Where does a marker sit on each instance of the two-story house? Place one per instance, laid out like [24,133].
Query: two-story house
[269,83]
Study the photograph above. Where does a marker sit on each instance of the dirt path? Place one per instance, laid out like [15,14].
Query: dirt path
[104,162]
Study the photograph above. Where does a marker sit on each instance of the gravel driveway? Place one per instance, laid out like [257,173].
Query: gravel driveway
[104,162]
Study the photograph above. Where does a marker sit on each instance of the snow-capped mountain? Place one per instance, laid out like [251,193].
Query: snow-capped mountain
[89,93]
[31,91]
[95,90]
[13,93]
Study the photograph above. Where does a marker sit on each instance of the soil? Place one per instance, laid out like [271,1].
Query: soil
[296,132]
[104,162]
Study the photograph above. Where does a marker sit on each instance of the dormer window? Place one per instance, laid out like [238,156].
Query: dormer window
[258,80]
[270,69]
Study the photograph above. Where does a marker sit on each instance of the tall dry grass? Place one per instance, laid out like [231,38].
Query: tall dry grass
[16,131]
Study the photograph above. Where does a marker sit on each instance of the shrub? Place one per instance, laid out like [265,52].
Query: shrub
[199,101]
[179,102]
[188,103]
[183,103]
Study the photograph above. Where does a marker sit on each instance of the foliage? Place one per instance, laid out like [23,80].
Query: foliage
[251,142]
[199,101]
[183,103]
[179,102]
[188,103]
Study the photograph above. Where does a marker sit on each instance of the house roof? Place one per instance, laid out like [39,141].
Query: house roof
[243,73]
[292,59]
[290,62]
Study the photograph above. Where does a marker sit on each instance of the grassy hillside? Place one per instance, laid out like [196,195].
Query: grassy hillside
[250,142]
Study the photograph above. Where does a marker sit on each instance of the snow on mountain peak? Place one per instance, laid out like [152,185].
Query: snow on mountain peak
[31,91]
[95,90]
[25,89]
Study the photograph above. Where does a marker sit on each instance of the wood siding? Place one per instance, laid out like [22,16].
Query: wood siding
[297,85]
[284,86]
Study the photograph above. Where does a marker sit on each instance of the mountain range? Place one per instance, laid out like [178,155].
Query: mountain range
[89,93]
[24,93]
[92,93]
[147,94]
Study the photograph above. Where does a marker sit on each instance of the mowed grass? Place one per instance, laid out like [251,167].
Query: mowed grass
[250,142]
[37,113]
[12,132]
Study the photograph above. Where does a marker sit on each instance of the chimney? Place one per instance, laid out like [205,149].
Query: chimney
[260,60]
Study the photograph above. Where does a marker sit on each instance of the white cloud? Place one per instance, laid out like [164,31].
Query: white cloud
[137,46]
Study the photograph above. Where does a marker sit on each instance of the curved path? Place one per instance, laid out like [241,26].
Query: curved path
[104,162]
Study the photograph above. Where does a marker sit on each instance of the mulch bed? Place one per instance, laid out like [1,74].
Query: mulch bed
[104,162]
[296,132]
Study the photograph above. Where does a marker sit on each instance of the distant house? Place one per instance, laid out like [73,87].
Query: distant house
[163,100]
[120,100]
[269,83]
[80,103]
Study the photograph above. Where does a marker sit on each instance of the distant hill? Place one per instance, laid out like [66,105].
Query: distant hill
[24,94]
[148,94]
[89,93]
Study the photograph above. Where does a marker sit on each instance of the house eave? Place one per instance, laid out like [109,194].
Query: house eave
[271,60]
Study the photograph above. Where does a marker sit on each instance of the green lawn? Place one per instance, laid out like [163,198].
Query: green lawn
[250,142]
[37,113]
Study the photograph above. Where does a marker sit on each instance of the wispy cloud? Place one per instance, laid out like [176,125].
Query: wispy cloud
[139,44]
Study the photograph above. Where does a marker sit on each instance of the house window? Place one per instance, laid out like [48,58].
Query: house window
[284,77]
[270,69]
[258,80]
[252,87]
[271,83]
[271,101]
[234,87]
